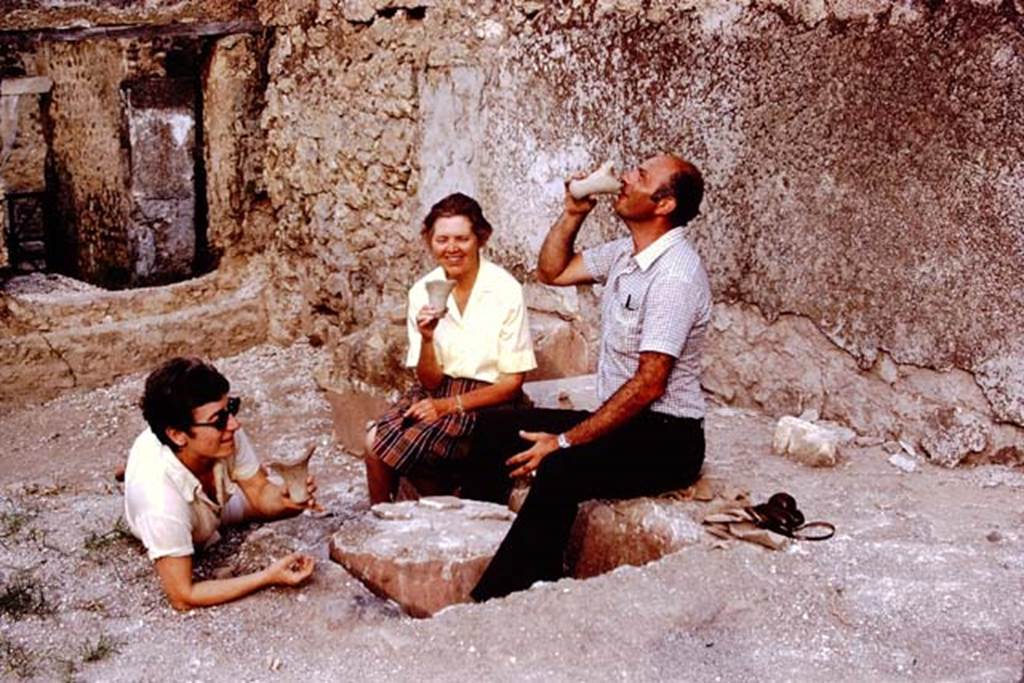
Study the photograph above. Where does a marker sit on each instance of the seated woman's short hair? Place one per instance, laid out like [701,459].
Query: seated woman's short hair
[458,204]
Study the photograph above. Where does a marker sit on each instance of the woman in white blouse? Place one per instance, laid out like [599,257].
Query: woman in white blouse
[469,355]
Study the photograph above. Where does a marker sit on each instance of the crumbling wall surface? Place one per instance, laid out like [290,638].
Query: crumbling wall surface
[58,334]
[340,166]
[24,168]
[28,15]
[863,172]
[233,87]
[89,164]
[864,161]
[788,366]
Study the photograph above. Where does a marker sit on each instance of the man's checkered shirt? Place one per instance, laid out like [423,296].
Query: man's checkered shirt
[657,300]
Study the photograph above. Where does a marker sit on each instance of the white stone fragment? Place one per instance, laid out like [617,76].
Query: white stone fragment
[903,462]
[25,85]
[907,448]
[806,442]
[440,502]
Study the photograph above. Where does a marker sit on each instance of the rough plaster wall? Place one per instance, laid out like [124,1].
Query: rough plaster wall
[4,258]
[855,159]
[863,160]
[89,162]
[340,170]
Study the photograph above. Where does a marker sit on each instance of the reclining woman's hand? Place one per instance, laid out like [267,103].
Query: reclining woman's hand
[310,501]
[427,320]
[291,570]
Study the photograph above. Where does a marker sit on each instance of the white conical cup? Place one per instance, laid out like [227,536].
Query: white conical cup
[294,473]
[437,293]
[601,181]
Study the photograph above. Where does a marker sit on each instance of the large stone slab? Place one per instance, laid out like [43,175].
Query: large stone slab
[609,534]
[425,554]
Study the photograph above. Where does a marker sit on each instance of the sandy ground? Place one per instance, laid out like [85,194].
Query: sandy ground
[922,581]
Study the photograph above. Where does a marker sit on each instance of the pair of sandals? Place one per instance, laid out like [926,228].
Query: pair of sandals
[781,515]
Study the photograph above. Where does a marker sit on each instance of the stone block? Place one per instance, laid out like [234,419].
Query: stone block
[572,393]
[806,442]
[86,339]
[607,535]
[425,555]
[561,350]
[351,409]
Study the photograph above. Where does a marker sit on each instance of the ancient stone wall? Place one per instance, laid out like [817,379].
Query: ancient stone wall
[233,89]
[128,133]
[48,15]
[863,226]
[89,163]
[863,162]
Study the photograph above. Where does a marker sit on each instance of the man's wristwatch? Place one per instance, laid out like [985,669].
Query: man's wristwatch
[563,441]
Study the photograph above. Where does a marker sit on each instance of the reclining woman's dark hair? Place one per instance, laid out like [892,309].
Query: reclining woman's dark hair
[174,389]
[458,204]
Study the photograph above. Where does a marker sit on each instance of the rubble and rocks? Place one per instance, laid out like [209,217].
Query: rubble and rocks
[956,435]
[426,554]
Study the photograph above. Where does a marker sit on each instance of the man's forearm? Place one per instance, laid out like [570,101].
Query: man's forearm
[637,394]
[557,250]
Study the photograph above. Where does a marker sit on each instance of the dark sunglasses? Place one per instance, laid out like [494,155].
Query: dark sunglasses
[220,418]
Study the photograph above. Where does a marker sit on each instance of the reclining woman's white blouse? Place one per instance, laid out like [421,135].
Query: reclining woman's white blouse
[165,505]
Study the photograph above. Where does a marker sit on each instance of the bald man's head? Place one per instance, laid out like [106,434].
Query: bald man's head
[684,183]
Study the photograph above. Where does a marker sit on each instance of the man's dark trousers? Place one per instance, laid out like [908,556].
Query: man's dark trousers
[651,454]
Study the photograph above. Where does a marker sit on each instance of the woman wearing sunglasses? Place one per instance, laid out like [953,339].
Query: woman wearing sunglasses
[192,471]
[470,354]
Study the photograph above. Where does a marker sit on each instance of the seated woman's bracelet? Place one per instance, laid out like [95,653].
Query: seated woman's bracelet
[458,404]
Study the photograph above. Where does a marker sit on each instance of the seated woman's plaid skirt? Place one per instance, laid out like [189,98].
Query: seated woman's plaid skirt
[407,444]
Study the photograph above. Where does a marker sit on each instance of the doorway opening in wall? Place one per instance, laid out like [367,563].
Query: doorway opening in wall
[26,234]
[23,198]
[166,219]
[113,178]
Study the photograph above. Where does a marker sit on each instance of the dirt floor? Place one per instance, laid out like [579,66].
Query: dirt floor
[922,580]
